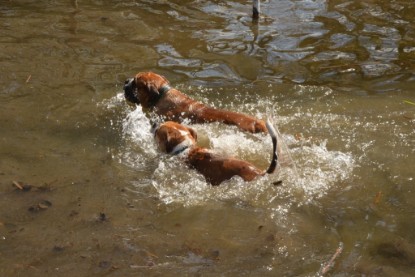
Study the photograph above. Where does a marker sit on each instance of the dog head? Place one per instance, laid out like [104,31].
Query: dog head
[145,88]
[173,138]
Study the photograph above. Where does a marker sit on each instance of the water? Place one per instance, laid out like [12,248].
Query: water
[335,77]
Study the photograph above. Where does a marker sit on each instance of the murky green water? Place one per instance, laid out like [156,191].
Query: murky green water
[336,77]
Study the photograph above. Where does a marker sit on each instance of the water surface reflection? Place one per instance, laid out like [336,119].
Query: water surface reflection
[336,77]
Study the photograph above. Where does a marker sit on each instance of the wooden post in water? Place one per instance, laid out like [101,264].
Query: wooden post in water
[256,8]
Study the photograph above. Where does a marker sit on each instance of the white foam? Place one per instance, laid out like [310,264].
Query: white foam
[137,128]
[114,101]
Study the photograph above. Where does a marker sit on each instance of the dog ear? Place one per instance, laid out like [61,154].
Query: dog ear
[161,138]
[193,133]
[153,90]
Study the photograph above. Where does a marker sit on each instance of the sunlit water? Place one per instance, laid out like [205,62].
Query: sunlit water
[336,78]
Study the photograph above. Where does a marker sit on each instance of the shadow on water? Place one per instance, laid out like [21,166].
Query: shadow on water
[84,190]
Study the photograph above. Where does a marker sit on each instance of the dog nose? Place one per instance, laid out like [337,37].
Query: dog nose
[129,91]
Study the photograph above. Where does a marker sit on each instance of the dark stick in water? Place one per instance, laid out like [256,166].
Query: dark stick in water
[256,8]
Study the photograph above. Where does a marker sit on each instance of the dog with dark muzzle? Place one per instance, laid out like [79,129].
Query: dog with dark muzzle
[176,139]
[154,92]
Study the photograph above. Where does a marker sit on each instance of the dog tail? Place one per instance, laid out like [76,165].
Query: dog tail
[274,160]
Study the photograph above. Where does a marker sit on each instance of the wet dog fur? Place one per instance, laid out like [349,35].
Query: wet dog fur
[154,92]
[176,139]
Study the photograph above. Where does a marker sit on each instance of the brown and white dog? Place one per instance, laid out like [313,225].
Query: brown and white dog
[154,92]
[176,139]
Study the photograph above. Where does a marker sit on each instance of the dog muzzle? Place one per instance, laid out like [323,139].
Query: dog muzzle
[154,128]
[129,91]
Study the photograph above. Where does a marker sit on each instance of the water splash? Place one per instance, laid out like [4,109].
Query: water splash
[113,102]
[312,172]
